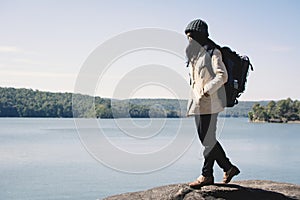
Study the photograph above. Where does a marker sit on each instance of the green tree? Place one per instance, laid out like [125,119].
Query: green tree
[103,111]
[259,113]
[271,108]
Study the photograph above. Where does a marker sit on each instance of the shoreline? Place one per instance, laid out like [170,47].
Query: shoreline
[271,122]
[293,122]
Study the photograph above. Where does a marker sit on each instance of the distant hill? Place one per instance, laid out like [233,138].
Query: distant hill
[34,103]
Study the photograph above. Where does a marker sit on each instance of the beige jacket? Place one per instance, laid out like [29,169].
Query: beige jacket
[208,74]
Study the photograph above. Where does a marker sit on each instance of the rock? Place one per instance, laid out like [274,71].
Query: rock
[246,190]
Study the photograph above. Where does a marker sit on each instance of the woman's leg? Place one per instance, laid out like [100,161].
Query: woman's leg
[213,151]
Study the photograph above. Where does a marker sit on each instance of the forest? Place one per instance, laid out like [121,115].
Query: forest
[34,103]
[285,110]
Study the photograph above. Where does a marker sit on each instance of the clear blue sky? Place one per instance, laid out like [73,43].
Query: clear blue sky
[43,44]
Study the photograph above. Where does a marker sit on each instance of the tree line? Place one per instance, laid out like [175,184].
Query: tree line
[280,111]
[30,103]
[34,103]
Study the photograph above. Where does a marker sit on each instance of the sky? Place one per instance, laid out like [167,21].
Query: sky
[44,44]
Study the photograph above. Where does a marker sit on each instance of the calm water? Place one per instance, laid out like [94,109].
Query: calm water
[45,159]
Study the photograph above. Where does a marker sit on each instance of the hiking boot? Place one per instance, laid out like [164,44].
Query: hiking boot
[202,181]
[233,171]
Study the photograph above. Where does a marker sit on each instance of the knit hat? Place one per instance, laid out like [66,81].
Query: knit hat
[199,26]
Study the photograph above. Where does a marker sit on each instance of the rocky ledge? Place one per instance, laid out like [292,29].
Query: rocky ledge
[246,190]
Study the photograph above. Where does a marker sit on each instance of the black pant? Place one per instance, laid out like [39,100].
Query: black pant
[213,151]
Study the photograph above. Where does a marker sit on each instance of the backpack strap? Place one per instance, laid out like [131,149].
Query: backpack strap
[210,50]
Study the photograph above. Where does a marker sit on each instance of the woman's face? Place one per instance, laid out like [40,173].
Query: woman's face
[193,48]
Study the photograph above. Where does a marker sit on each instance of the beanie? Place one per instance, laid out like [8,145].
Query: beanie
[197,25]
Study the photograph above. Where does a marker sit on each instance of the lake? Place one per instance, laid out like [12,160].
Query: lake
[67,159]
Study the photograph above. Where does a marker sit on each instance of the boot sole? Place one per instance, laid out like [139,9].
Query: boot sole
[230,177]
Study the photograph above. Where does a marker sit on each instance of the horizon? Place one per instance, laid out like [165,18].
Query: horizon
[45,45]
[150,98]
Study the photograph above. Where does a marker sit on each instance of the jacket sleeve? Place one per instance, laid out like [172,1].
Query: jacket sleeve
[220,72]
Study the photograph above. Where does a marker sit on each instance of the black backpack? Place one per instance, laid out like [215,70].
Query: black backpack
[237,68]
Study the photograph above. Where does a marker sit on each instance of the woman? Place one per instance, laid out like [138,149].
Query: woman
[208,74]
